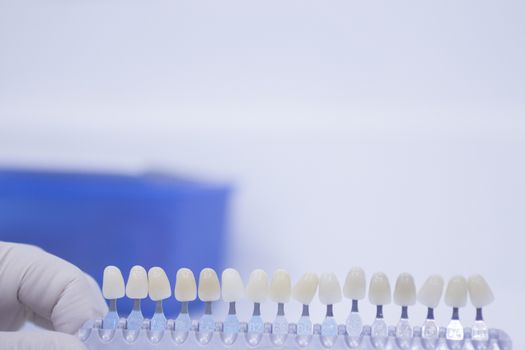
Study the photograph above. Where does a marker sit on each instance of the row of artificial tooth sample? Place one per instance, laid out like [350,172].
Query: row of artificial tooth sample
[155,283]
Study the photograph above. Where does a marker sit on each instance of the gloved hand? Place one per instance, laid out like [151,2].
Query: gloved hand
[49,291]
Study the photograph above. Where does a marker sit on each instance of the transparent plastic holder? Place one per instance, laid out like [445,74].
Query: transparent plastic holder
[95,337]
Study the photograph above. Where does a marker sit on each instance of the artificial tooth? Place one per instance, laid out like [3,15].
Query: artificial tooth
[185,285]
[355,284]
[329,294]
[185,291]
[280,291]
[257,291]
[113,283]
[232,286]
[281,286]
[112,288]
[430,293]
[404,295]
[405,290]
[257,288]
[158,284]
[137,289]
[456,297]
[329,289]
[379,292]
[209,287]
[209,290]
[137,286]
[456,293]
[480,296]
[480,293]
[232,291]
[304,292]
[355,289]
[305,288]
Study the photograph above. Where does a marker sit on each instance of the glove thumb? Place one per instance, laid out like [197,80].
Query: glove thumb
[39,340]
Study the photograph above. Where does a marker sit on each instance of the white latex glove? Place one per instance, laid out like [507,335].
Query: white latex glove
[53,293]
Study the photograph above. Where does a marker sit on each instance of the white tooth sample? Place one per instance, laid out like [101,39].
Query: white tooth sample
[355,284]
[258,287]
[159,284]
[209,287]
[329,289]
[405,290]
[281,286]
[379,292]
[480,292]
[113,283]
[304,290]
[185,285]
[232,286]
[456,293]
[431,291]
[137,286]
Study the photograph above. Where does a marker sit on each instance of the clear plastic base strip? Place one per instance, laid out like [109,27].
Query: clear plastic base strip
[95,338]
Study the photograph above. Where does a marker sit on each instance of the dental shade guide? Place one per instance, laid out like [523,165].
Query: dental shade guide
[118,333]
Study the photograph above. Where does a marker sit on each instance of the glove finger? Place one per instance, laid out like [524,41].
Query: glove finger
[41,340]
[49,286]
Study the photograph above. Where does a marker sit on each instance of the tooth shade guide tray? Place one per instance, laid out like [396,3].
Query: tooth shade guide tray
[96,338]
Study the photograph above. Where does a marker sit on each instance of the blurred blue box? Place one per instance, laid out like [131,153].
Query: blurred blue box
[95,220]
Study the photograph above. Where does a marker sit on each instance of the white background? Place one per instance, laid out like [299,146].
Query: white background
[385,134]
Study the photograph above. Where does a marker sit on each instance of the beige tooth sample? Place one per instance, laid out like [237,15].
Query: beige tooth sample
[258,288]
[480,293]
[430,293]
[159,284]
[329,289]
[305,289]
[113,283]
[281,286]
[209,287]
[185,285]
[232,286]
[456,293]
[137,285]
[355,284]
[379,292]
[405,290]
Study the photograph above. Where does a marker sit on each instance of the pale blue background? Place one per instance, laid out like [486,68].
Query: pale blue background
[388,134]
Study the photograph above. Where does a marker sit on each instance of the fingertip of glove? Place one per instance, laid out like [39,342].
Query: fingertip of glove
[30,340]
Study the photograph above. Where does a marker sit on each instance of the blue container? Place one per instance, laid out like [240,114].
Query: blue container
[95,220]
